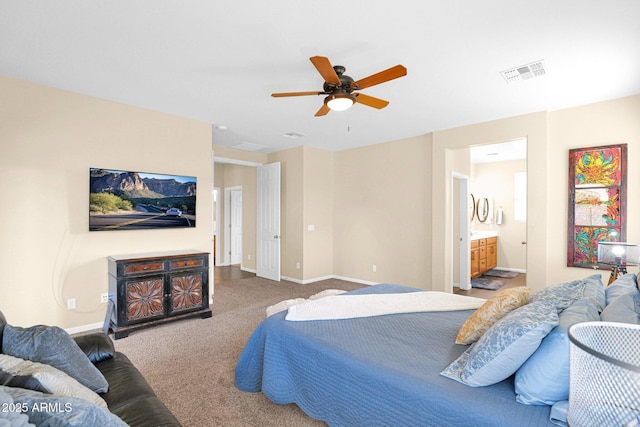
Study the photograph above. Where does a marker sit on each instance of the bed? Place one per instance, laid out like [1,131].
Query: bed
[376,371]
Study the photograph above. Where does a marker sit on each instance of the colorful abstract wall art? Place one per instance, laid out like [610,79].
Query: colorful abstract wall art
[597,201]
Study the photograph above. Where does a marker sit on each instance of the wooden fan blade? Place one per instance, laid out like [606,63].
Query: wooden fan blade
[371,101]
[381,77]
[326,70]
[322,111]
[283,94]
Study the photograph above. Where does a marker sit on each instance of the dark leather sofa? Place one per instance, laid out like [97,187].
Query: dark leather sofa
[129,397]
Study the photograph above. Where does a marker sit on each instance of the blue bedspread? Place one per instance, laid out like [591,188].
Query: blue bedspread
[376,371]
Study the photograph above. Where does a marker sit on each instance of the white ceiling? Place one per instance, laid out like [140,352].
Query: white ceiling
[218,62]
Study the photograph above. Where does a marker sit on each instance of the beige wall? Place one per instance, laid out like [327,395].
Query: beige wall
[603,123]
[48,141]
[223,152]
[392,201]
[550,135]
[318,194]
[382,215]
[495,181]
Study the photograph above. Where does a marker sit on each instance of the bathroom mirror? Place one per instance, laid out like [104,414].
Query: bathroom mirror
[472,207]
[483,209]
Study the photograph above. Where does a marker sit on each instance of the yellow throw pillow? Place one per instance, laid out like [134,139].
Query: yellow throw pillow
[490,312]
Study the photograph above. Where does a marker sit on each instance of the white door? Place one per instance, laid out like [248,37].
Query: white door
[460,242]
[216,227]
[236,227]
[268,224]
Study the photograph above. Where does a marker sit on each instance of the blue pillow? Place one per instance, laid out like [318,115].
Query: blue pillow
[594,291]
[505,346]
[558,415]
[22,381]
[622,309]
[55,410]
[623,285]
[53,346]
[562,295]
[544,378]
[14,417]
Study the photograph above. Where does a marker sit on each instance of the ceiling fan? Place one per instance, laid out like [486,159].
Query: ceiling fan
[340,88]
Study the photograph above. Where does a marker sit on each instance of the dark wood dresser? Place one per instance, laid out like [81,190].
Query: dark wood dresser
[147,289]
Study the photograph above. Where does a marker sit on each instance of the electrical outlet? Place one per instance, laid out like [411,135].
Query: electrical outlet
[104,297]
[375,268]
[71,304]
[298,265]
[249,256]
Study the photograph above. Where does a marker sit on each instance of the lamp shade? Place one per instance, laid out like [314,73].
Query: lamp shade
[340,101]
[619,253]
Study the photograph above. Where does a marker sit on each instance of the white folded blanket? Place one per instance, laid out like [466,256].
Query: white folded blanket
[353,306]
[283,305]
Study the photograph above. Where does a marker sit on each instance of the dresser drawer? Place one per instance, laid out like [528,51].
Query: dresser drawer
[483,252]
[142,267]
[177,264]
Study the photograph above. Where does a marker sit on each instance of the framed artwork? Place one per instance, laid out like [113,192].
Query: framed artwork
[597,201]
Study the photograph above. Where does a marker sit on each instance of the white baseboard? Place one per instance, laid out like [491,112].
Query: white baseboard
[351,279]
[306,281]
[84,328]
[248,270]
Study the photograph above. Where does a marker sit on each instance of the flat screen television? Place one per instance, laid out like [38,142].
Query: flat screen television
[125,200]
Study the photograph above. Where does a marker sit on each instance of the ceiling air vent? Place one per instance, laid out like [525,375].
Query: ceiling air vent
[248,146]
[293,135]
[524,72]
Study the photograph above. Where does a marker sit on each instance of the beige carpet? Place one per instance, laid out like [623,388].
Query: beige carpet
[190,363]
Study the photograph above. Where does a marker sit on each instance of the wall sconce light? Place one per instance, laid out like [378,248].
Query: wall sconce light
[500,216]
[618,255]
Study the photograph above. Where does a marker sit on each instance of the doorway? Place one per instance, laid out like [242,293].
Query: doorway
[238,232]
[493,174]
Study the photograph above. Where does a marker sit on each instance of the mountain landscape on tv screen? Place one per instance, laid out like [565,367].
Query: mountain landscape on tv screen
[134,200]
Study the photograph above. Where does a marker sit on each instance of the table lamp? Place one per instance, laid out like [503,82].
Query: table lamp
[618,255]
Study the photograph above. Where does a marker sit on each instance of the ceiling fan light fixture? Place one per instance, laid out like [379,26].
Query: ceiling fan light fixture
[340,101]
